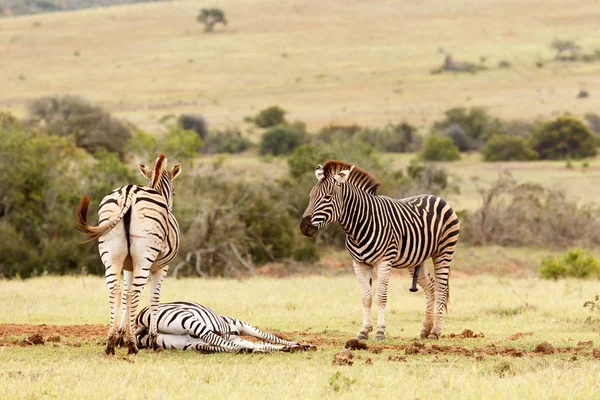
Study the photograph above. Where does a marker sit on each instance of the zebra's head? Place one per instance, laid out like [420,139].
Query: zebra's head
[325,201]
[160,178]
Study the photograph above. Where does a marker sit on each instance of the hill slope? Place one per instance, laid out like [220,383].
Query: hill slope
[340,61]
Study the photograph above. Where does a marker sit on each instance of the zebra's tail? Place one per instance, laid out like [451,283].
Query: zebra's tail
[94,232]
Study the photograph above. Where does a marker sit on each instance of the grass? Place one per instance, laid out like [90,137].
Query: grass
[328,307]
[364,62]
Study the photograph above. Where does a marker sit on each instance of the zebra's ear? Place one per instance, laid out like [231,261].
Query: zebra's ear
[343,175]
[175,171]
[147,172]
[319,173]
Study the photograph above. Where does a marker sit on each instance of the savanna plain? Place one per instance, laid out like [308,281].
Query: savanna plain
[508,333]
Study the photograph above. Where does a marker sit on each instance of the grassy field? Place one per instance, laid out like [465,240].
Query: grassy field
[322,309]
[334,61]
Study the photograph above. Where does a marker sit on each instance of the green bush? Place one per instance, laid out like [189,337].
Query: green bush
[565,137]
[576,263]
[476,123]
[269,117]
[92,127]
[508,148]
[439,148]
[282,139]
[227,141]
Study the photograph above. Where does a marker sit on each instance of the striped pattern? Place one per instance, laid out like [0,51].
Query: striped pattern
[186,325]
[137,233]
[386,233]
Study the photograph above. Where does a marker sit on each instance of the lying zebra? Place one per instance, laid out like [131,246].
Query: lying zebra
[185,325]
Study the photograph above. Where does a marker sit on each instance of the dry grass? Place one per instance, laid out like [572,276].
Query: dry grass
[334,61]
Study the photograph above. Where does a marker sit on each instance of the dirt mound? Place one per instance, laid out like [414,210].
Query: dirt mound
[596,353]
[465,334]
[588,343]
[343,357]
[354,344]
[519,335]
[544,348]
[397,357]
[82,331]
[36,338]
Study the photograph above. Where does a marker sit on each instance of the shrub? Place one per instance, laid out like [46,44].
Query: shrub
[282,139]
[178,144]
[92,127]
[477,124]
[270,117]
[576,263]
[335,133]
[210,17]
[439,148]
[593,122]
[227,141]
[459,137]
[565,137]
[508,148]
[194,122]
[400,138]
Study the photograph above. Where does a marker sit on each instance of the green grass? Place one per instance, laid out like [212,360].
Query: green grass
[334,61]
[328,307]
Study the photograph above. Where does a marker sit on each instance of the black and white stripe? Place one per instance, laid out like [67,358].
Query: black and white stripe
[386,233]
[137,233]
[185,325]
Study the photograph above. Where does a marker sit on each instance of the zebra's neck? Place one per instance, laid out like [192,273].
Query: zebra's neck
[357,210]
[163,186]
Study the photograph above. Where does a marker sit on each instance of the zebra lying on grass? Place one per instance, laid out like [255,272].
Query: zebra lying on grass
[386,233]
[185,325]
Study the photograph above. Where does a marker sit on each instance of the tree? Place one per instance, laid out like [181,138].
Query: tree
[508,148]
[565,137]
[210,17]
[270,116]
[439,148]
[565,46]
[282,139]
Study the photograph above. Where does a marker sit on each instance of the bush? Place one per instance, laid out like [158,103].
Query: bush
[270,117]
[92,127]
[508,148]
[227,141]
[439,148]
[593,122]
[282,139]
[459,137]
[177,144]
[336,133]
[576,263]
[476,123]
[194,122]
[565,137]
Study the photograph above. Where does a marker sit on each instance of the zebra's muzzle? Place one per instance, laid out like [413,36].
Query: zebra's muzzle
[306,227]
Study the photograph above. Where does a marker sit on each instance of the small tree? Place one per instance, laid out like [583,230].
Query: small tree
[568,47]
[282,139]
[439,148]
[564,137]
[270,116]
[508,148]
[210,17]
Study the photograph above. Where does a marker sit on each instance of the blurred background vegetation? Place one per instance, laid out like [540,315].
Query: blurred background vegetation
[505,129]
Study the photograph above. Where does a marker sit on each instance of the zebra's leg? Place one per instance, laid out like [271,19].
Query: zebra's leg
[427,285]
[112,276]
[364,273]
[127,278]
[442,290]
[384,270]
[249,330]
[157,279]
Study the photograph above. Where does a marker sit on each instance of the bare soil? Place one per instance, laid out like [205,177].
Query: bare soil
[76,335]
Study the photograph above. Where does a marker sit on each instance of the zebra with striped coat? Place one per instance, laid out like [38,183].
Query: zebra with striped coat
[185,325]
[386,233]
[137,233]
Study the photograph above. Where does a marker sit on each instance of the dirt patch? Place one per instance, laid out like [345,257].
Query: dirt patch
[544,348]
[397,357]
[519,335]
[465,334]
[596,353]
[82,331]
[343,357]
[36,338]
[355,344]
[588,343]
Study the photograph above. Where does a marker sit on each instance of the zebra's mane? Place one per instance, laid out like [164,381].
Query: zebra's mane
[358,177]
[159,168]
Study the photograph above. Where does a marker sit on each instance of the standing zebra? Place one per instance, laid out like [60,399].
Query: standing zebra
[386,233]
[138,233]
[185,325]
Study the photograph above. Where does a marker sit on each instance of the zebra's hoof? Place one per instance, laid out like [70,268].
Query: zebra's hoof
[433,336]
[362,336]
[110,350]
[424,334]
[380,337]
[132,349]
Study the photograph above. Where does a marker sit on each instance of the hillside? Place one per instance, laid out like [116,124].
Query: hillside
[335,61]
[20,7]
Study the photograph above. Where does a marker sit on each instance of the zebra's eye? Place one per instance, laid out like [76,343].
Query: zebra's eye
[327,198]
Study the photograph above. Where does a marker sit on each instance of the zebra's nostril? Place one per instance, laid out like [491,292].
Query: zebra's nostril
[306,226]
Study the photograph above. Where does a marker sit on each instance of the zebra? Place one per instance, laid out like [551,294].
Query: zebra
[386,233]
[136,232]
[186,325]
